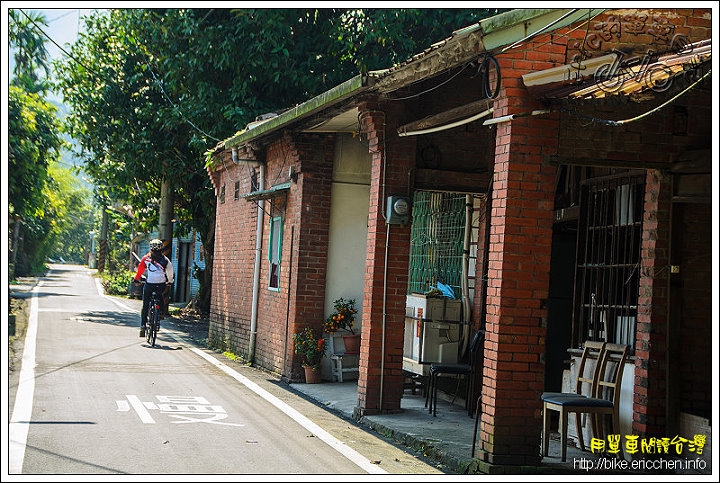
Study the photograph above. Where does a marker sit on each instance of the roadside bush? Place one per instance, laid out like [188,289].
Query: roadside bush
[116,283]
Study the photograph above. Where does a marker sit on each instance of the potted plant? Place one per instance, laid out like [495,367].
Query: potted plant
[312,350]
[343,318]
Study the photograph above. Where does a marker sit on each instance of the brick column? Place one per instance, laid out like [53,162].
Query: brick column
[384,301]
[653,300]
[519,252]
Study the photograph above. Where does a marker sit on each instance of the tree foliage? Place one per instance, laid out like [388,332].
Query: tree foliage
[49,209]
[31,57]
[152,90]
[33,143]
[69,237]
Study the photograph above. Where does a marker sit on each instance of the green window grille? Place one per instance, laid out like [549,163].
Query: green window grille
[275,251]
[436,245]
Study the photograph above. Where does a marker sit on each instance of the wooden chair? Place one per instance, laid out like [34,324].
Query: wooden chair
[603,398]
[584,380]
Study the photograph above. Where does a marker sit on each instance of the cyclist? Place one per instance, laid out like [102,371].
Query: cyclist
[158,272]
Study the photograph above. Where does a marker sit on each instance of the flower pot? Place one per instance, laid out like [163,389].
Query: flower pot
[312,377]
[352,343]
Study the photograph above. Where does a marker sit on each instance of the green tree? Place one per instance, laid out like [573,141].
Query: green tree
[33,142]
[69,237]
[152,90]
[31,56]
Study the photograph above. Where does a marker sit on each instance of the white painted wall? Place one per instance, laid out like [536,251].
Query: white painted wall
[350,198]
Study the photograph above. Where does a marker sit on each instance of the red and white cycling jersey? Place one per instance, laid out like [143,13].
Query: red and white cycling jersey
[154,271]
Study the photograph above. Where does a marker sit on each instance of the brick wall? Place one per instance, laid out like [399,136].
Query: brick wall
[309,213]
[691,322]
[653,301]
[230,303]
[518,265]
[651,137]
[305,208]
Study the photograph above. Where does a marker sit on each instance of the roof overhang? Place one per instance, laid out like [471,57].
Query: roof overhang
[268,193]
[334,96]
[488,35]
[463,46]
[607,75]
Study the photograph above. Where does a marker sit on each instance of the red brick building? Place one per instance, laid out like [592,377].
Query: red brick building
[579,144]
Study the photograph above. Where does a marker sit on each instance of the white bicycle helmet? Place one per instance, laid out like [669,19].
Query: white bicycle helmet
[156,245]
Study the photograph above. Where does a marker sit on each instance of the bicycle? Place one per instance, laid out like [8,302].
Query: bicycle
[152,324]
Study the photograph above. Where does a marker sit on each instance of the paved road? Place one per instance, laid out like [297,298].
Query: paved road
[92,397]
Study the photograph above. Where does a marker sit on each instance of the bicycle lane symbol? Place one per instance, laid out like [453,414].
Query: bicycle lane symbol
[186,409]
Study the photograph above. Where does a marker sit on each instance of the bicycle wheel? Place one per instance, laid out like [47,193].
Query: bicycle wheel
[152,326]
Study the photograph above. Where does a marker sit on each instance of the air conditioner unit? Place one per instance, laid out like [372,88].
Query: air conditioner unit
[432,332]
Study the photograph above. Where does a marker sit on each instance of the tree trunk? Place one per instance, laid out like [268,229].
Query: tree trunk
[165,222]
[165,230]
[15,246]
[103,251]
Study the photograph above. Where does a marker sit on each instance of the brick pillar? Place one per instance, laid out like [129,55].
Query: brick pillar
[383,322]
[307,219]
[649,418]
[521,222]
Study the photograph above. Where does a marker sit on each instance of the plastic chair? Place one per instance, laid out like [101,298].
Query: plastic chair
[467,370]
[604,396]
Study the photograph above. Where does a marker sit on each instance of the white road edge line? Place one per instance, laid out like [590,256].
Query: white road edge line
[22,410]
[302,420]
[306,423]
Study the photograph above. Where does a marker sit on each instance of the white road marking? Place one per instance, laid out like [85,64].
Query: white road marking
[306,423]
[22,411]
[139,408]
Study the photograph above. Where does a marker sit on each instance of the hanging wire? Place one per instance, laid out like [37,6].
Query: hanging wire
[432,88]
[536,33]
[37,27]
[111,81]
[493,53]
[162,89]
[608,122]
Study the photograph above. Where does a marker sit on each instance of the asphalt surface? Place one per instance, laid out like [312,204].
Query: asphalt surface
[383,457]
[442,444]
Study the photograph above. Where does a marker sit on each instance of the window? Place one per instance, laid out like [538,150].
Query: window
[437,238]
[222,194]
[275,251]
[608,259]
[237,190]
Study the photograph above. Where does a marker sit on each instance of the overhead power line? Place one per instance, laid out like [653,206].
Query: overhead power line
[110,81]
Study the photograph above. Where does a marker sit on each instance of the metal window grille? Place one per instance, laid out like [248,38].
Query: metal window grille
[608,259]
[275,251]
[436,245]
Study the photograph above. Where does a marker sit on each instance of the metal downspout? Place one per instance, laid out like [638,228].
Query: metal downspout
[256,271]
[465,269]
[384,317]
